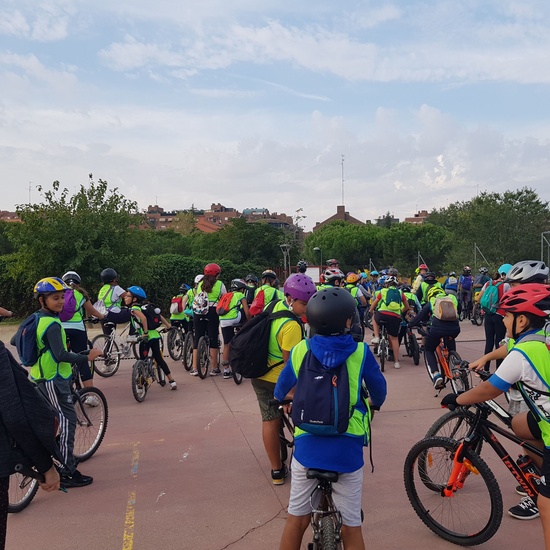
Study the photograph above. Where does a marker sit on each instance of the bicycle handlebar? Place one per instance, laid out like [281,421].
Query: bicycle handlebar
[29,472]
[277,403]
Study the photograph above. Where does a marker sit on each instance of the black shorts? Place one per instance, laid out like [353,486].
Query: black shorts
[544,488]
[393,323]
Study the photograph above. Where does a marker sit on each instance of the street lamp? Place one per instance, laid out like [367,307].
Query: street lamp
[286,258]
[317,249]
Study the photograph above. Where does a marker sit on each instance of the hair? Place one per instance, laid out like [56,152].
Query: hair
[81,290]
[208,283]
[535,321]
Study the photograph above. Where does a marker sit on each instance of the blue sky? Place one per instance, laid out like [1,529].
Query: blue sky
[252,103]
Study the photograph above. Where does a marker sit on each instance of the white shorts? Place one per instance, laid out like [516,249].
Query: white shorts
[346,493]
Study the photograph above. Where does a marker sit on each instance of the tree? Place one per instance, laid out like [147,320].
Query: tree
[185,223]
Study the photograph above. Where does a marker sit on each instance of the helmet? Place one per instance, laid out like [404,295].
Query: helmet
[212,269]
[138,292]
[533,298]
[108,275]
[383,280]
[299,287]
[483,270]
[406,288]
[198,278]
[434,291]
[363,275]
[391,280]
[49,285]
[528,271]
[71,277]
[352,278]
[393,272]
[430,277]
[333,275]
[302,266]
[383,272]
[269,274]
[504,268]
[329,309]
[375,273]
[332,263]
[184,287]
[422,266]
[251,278]
[237,284]
[452,274]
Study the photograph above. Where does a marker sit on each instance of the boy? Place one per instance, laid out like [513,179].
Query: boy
[111,294]
[526,309]
[330,314]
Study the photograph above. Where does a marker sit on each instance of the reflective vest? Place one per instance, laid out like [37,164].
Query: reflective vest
[214,295]
[106,295]
[47,368]
[392,307]
[358,423]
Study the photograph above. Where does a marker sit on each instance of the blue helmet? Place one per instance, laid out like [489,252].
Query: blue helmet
[504,268]
[138,292]
[374,272]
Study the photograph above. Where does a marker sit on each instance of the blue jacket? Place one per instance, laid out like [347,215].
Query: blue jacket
[338,453]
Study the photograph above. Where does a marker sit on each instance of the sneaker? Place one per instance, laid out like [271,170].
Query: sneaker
[173,385]
[396,365]
[278,476]
[76,480]
[194,372]
[438,381]
[521,491]
[91,401]
[526,509]
[227,374]
[375,341]
[215,372]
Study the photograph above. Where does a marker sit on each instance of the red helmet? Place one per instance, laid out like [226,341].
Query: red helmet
[422,266]
[531,298]
[212,269]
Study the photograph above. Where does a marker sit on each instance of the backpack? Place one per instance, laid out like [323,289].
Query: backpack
[321,403]
[258,304]
[466,282]
[223,305]
[25,341]
[489,299]
[200,303]
[250,346]
[152,314]
[69,306]
[444,309]
[176,305]
[393,296]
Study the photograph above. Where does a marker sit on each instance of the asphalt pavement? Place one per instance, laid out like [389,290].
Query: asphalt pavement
[186,469]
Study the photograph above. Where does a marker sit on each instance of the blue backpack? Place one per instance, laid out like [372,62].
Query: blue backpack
[489,298]
[25,341]
[321,403]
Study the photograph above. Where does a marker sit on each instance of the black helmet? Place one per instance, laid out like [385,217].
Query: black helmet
[430,277]
[184,287]
[302,266]
[251,278]
[329,309]
[237,284]
[269,274]
[108,275]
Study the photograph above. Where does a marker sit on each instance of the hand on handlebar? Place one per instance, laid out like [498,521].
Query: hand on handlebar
[449,401]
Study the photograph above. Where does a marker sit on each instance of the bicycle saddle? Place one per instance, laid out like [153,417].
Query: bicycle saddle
[325,475]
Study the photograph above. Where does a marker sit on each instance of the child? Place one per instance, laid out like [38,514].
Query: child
[53,371]
[181,318]
[526,309]
[111,294]
[133,300]
[330,314]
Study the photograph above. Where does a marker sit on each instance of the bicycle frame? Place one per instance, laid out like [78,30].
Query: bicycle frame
[326,507]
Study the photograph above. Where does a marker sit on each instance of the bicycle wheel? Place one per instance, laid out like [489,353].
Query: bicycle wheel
[161,377]
[140,380]
[92,416]
[107,364]
[478,316]
[21,492]
[453,425]
[367,318]
[415,348]
[460,377]
[174,341]
[328,533]
[188,351]
[382,352]
[204,357]
[472,515]
[237,378]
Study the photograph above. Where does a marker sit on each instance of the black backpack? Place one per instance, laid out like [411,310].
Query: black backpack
[152,314]
[249,348]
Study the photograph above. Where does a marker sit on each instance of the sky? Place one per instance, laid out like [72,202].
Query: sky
[292,106]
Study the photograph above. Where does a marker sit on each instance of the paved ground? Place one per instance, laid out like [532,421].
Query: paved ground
[186,469]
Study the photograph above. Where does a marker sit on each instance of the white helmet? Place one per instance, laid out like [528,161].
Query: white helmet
[528,271]
[199,278]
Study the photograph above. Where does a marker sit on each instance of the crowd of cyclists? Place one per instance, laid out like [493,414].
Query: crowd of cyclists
[378,298]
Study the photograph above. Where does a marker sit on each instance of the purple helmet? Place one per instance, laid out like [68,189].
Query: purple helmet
[300,287]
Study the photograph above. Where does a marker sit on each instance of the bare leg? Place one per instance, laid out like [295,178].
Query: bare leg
[353,538]
[293,532]
[272,443]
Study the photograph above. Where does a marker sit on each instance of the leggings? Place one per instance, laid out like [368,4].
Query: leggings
[79,342]
[4,484]
[495,331]
[154,346]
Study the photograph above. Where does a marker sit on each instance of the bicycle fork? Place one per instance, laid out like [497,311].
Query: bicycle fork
[462,468]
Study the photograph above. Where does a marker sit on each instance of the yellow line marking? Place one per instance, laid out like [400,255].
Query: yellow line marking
[129,521]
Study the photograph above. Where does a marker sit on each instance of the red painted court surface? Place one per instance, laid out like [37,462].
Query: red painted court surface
[186,469]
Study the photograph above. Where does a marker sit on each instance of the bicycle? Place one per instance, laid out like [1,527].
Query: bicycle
[204,359]
[187,355]
[411,342]
[113,347]
[175,341]
[465,309]
[286,430]
[478,314]
[23,488]
[383,346]
[453,490]
[450,365]
[144,373]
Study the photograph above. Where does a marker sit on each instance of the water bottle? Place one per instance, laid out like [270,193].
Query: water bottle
[529,468]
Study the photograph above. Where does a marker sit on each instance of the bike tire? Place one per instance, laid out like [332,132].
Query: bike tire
[478,317]
[382,351]
[237,378]
[91,423]
[415,349]
[174,342]
[452,425]
[367,318]
[161,377]
[460,377]
[188,351]
[22,489]
[203,357]
[140,380]
[328,533]
[107,364]
[473,514]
